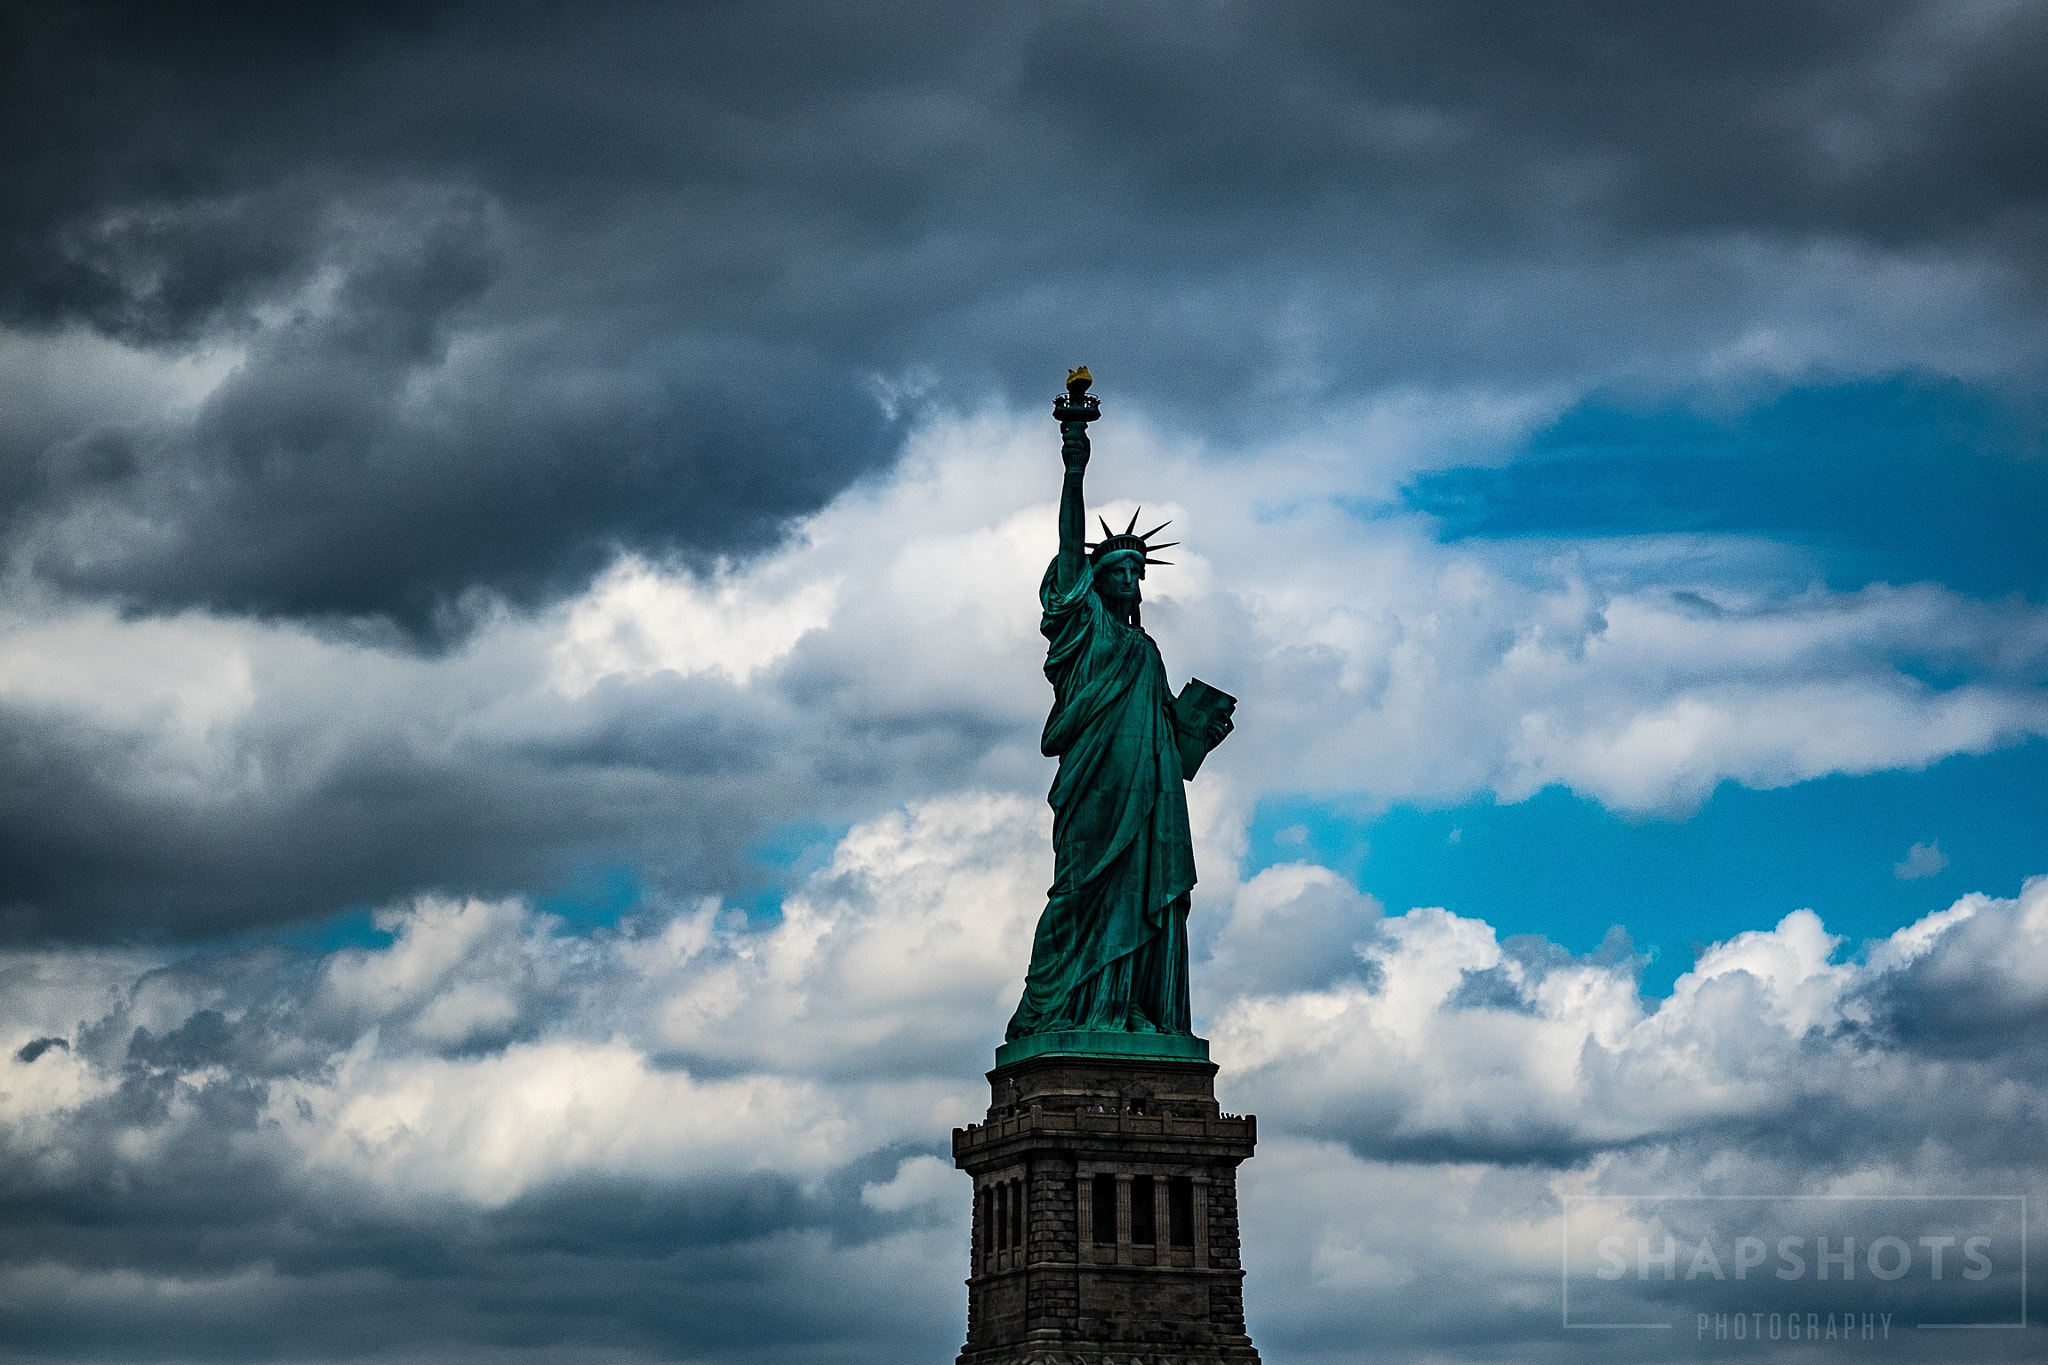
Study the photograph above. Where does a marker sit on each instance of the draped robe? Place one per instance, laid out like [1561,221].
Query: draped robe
[1111,950]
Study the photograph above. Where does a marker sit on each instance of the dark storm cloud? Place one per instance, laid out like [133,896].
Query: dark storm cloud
[517,287]
[633,1271]
[672,777]
[641,1266]
[36,1047]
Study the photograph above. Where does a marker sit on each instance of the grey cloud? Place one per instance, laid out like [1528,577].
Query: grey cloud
[1489,989]
[1888,1065]
[311,775]
[351,468]
[613,1270]
[175,1173]
[673,777]
[1535,957]
[1306,941]
[1976,998]
[677,243]
[513,290]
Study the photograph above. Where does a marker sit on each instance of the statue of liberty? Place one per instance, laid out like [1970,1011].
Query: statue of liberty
[1111,952]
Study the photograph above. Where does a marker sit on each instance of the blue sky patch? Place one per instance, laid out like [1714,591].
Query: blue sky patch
[594,897]
[788,855]
[1908,479]
[1564,867]
[354,928]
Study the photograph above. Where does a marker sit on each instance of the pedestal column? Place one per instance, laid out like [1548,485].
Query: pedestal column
[1141,1270]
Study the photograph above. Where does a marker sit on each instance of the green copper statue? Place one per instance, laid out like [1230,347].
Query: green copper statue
[1111,952]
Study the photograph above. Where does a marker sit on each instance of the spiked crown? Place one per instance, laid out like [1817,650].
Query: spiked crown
[1113,542]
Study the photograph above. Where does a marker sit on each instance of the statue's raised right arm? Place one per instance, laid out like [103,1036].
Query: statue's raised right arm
[1073,512]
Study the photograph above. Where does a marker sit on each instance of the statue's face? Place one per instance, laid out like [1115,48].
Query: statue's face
[1117,580]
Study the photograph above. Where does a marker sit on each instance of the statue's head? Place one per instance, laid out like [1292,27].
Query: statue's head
[1117,576]
[1119,561]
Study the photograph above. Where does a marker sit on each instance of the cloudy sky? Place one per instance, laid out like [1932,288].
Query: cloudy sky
[519,681]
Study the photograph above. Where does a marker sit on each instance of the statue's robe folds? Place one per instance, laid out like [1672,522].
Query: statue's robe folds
[1111,951]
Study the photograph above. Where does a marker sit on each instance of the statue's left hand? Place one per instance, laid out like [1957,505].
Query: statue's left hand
[1217,728]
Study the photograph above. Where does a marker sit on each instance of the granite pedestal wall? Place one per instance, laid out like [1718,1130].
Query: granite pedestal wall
[1105,1215]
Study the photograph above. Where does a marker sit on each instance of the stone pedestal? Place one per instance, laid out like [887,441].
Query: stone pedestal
[1105,1214]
